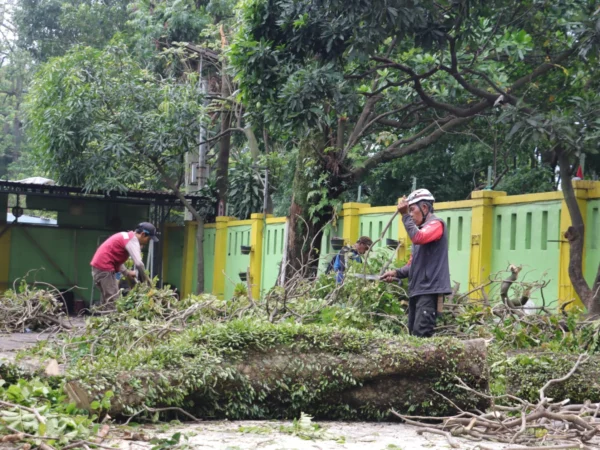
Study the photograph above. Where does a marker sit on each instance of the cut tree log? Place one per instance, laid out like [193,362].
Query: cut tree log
[406,374]
[530,371]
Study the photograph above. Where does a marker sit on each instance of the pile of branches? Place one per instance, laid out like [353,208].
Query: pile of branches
[546,424]
[32,308]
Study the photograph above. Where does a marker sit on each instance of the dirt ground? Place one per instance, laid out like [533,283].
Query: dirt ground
[278,435]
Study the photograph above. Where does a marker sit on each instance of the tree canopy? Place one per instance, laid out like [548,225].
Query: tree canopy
[100,120]
[386,81]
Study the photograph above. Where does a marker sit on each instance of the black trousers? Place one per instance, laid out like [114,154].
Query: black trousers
[422,315]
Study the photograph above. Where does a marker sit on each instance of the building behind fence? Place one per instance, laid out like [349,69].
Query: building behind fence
[486,234]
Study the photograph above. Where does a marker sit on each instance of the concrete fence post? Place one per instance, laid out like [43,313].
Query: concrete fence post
[189,258]
[220,260]
[482,222]
[256,252]
[352,221]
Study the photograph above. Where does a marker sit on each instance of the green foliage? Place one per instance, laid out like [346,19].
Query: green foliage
[48,28]
[100,120]
[246,182]
[304,428]
[62,420]
[527,373]
[168,443]
[16,69]
[305,68]
[246,187]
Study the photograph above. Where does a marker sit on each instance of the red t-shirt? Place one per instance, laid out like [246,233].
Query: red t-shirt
[112,254]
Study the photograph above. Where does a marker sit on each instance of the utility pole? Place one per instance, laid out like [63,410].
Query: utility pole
[196,175]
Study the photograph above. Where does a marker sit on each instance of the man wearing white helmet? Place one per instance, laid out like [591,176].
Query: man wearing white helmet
[427,269]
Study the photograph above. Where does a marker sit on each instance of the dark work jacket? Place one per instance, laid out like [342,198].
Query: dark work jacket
[429,272]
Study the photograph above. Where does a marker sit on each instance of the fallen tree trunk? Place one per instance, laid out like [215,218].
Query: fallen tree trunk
[342,375]
[530,371]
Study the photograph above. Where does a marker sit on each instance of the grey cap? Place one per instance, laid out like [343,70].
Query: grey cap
[149,229]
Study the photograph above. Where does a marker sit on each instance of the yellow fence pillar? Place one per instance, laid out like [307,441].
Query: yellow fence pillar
[482,222]
[189,258]
[256,243]
[220,256]
[352,221]
[566,291]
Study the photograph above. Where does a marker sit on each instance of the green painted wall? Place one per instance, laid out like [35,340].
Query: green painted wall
[175,257]
[592,241]
[273,245]
[372,225]
[236,262]
[527,235]
[71,250]
[458,223]
[209,259]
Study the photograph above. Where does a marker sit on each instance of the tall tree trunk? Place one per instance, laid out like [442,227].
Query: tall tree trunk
[197,217]
[268,198]
[306,229]
[575,234]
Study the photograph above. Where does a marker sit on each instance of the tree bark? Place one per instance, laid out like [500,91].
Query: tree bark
[575,234]
[305,229]
[400,373]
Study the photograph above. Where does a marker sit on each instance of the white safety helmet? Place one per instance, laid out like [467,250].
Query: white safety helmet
[420,195]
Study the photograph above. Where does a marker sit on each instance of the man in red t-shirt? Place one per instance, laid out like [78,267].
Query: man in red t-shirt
[112,254]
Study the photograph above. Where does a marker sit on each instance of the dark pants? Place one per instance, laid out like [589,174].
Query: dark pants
[422,314]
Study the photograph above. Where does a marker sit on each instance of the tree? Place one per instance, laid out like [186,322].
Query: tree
[15,74]
[98,119]
[568,127]
[346,73]
[48,28]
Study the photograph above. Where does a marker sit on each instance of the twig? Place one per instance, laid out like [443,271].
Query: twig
[448,436]
[35,412]
[582,358]
[172,408]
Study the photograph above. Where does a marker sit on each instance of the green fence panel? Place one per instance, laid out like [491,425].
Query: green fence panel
[236,262]
[273,245]
[592,241]
[209,261]
[458,224]
[372,225]
[175,257]
[528,235]
[327,252]
[70,249]
[209,258]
